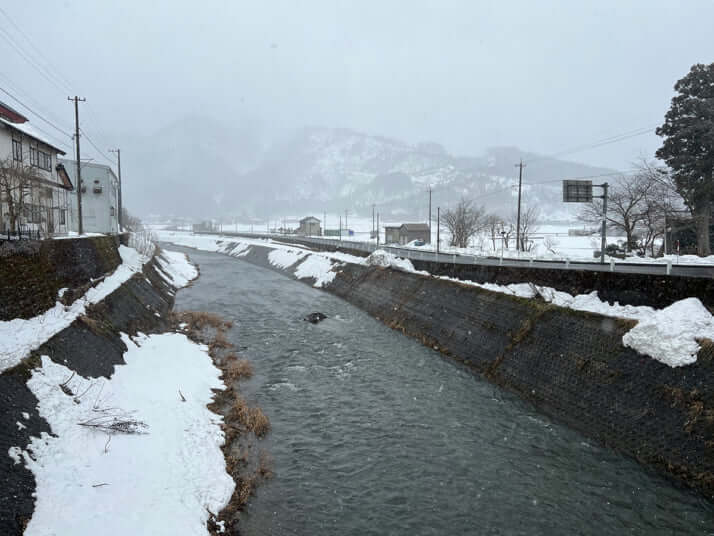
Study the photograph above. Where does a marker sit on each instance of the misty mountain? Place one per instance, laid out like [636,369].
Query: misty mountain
[323,169]
[203,169]
[185,168]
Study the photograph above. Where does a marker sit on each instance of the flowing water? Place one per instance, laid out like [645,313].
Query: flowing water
[372,433]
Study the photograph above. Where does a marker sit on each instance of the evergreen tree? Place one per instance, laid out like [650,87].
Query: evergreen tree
[688,146]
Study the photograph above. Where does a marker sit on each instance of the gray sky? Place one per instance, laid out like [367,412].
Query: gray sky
[545,76]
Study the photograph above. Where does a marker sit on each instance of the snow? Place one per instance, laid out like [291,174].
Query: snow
[385,259]
[164,480]
[670,334]
[318,267]
[18,337]
[178,269]
[282,258]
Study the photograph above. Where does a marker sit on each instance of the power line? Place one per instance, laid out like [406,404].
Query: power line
[29,60]
[50,123]
[37,50]
[101,153]
[598,143]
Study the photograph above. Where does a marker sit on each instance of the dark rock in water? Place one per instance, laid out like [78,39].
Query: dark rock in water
[314,318]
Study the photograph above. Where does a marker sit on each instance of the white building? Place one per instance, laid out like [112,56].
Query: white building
[100,195]
[35,194]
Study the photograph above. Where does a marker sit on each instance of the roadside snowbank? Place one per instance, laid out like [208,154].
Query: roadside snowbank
[18,337]
[165,479]
[670,334]
[385,259]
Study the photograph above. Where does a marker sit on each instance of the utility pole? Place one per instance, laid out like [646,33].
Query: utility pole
[603,240]
[377,230]
[118,152]
[373,207]
[324,223]
[518,218]
[77,100]
[430,213]
[340,228]
[346,211]
[438,216]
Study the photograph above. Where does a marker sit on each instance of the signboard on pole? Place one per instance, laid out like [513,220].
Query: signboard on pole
[577,191]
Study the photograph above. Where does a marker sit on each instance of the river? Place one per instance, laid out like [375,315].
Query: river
[372,433]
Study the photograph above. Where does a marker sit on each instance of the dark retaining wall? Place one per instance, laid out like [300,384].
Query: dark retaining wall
[633,289]
[32,272]
[571,365]
[91,346]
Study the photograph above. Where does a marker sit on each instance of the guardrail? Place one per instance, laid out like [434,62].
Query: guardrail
[668,268]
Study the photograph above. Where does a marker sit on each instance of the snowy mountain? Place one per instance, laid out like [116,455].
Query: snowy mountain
[203,169]
[321,169]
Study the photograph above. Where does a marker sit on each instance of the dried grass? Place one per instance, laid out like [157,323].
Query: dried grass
[236,369]
[252,418]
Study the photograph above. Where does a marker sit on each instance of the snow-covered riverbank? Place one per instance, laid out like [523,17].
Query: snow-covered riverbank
[670,335]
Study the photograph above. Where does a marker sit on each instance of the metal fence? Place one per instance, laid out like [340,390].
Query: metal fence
[22,234]
[667,268]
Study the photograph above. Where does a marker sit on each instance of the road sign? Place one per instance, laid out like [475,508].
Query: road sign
[577,191]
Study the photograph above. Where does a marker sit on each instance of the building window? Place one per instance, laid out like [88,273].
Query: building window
[34,159]
[17,150]
[45,161]
[63,217]
[111,211]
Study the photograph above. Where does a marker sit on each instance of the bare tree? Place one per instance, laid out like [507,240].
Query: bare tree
[638,206]
[530,217]
[129,221]
[493,224]
[463,221]
[16,182]
[506,230]
[624,206]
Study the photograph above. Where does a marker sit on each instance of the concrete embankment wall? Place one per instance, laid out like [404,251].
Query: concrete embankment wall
[569,364]
[90,346]
[32,272]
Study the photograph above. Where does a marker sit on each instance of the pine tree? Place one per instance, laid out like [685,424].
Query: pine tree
[688,146]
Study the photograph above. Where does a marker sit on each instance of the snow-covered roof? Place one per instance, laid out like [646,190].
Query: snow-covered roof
[415,226]
[309,218]
[31,131]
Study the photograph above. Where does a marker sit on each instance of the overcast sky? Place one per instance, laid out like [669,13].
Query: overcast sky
[544,76]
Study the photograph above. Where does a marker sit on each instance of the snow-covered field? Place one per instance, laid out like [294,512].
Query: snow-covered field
[668,335]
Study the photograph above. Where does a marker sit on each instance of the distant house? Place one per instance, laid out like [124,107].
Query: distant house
[100,195]
[391,234]
[407,232]
[310,226]
[204,227]
[34,193]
